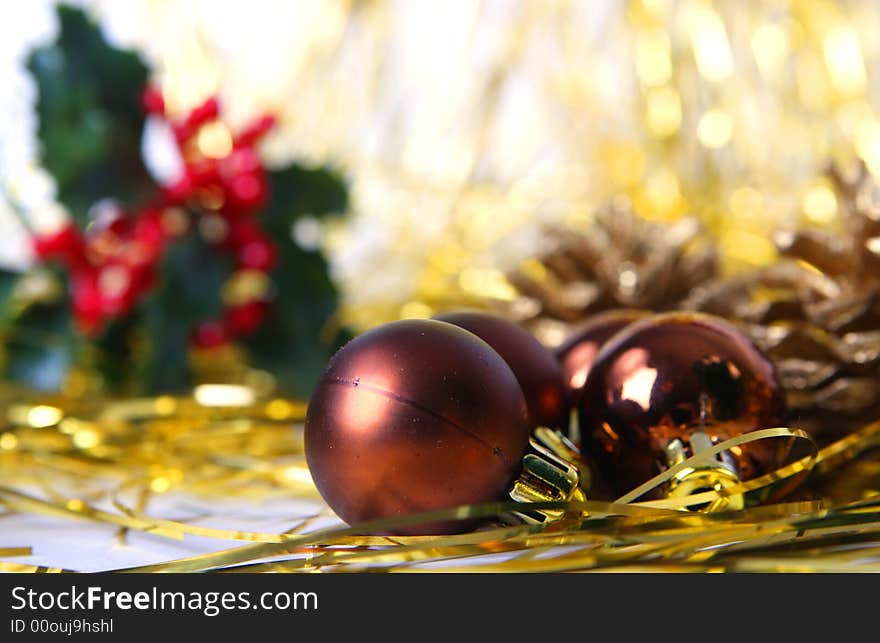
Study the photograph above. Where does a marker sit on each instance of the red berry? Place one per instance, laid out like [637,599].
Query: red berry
[244,319]
[149,237]
[118,225]
[247,191]
[249,136]
[152,101]
[258,254]
[207,111]
[63,244]
[252,247]
[203,172]
[66,246]
[143,279]
[179,191]
[210,334]
[86,301]
[105,235]
[183,132]
[241,231]
[241,161]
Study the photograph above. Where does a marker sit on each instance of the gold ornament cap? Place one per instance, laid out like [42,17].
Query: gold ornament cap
[552,471]
[716,473]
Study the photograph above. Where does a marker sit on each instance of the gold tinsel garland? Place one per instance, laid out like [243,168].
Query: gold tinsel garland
[687,140]
[107,460]
[64,457]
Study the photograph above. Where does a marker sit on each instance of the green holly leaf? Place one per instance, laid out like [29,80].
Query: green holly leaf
[90,130]
[36,343]
[296,191]
[300,334]
[39,347]
[192,275]
[7,283]
[296,339]
[90,120]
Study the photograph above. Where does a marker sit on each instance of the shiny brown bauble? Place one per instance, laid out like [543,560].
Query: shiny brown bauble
[578,352]
[414,416]
[667,376]
[537,370]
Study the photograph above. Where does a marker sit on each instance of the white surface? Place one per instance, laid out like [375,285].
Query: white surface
[90,546]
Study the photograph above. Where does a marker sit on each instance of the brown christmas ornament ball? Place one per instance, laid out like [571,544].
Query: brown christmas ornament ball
[578,352]
[413,416]
[667,378]
[537,370]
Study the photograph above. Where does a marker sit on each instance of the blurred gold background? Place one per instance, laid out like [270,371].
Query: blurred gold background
[467,128]
[469,132]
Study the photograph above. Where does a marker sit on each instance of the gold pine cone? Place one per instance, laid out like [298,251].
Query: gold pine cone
[817,312]
[621,261]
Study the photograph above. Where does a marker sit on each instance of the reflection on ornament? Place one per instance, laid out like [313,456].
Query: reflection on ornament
[668,387]
[578,352]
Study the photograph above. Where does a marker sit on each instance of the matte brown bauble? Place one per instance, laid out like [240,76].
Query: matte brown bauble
[665,378]
[578,352]
[537,370]
[413,416]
